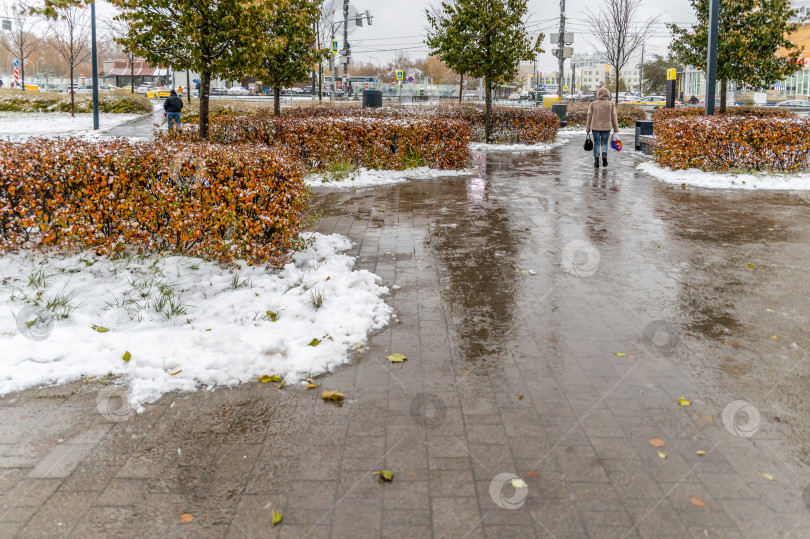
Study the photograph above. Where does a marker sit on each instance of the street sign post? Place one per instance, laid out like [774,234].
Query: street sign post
[672,87]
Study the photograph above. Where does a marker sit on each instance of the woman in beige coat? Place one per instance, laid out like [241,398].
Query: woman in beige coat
[601,118]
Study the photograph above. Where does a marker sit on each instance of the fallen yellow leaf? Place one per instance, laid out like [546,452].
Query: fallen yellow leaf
[685,402]
[312,386]
[662,455]
[697,501]
[752,266]
[767,476]
[774,337]
[520,396]
[334,395]
[396,358]
[657,442]
[701,452]
[620,354]
[276,518]
[186,517]
[175,373]
[127,356]
[465,373]
[281,384]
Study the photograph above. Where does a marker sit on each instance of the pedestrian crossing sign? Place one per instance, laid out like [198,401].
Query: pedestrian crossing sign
[400,74]
[335,46]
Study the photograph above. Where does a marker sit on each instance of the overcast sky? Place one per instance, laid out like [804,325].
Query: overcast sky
[399,24]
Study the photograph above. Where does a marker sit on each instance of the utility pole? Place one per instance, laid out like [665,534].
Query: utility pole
[711,56]
[561,49]
[347,51]
[94,59]
[641,70]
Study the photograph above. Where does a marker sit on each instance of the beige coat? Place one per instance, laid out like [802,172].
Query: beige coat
[602,113]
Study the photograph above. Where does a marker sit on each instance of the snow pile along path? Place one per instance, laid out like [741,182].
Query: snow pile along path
[22,125]
[716,180]
[482,147]
[364,177]
[184,322]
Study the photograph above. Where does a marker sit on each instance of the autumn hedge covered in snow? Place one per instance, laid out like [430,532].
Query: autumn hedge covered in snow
[510,125]
[217,202]
[380,143]
[722,143]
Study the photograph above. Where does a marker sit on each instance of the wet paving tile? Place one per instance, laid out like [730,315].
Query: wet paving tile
[552,316]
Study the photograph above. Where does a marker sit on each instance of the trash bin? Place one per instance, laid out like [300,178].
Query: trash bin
[560,110]
[372,98]
[643,127]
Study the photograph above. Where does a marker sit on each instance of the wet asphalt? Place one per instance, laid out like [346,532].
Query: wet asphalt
[587,332]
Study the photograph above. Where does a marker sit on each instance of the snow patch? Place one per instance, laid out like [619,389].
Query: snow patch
[716,180]
[482,147]
[221,332]
[364,177]
[23,125]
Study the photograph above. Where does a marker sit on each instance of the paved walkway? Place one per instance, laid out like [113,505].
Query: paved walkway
[552,316]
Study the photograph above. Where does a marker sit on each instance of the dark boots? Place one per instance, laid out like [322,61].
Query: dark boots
[604,159]
[595,162]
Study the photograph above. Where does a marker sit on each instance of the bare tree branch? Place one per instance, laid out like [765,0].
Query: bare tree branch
[617,31]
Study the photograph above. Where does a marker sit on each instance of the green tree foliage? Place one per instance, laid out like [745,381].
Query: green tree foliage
[483,39]
[211,37]
[655,74]
[611,83]
[290,59]
[751,33]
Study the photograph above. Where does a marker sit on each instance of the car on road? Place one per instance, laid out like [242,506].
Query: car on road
[655,101]
[238,90]
[218,90]
[143,88]
[794,103]
[550,99]
[514,97]
[159,93]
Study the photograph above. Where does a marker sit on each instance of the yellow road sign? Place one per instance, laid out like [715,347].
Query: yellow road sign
[672,74]
[400,75]
[335,46]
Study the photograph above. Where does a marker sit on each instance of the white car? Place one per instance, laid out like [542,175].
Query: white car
[238,90]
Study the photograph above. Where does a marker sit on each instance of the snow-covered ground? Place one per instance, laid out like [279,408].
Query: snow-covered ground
[21,125]
[715,180]
[182,322]
[483,147]
[363,177]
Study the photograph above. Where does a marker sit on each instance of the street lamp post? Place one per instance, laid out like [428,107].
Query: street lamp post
[94,59]
[711,60]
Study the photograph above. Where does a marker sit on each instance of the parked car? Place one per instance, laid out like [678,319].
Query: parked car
[794,103]
[219,90]
[550,99]
[143,88]
[85,89]
[655,101]
[238,90]
[159,93]
[514,97]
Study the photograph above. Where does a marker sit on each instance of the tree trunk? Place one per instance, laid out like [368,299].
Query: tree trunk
[188,85]
[320,80]
[276,100]
[460,88]
[72,95]
[488,119]
[22,70]
[616,93]
[723,90]
[132,74]
[205,88]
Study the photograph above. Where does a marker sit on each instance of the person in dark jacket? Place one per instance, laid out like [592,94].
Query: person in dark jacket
[173,105]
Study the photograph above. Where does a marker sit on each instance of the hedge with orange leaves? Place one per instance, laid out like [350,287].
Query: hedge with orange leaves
[722,143]
[510,125]
[756,112]
[222,203]
[381,143]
